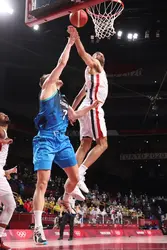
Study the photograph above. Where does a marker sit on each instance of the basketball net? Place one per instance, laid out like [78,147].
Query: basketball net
[103,16]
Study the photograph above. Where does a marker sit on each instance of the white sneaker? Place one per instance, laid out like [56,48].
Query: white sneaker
[39,236]
[81,184]
[77,194]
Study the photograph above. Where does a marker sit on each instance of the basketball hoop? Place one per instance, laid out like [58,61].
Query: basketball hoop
[103,16]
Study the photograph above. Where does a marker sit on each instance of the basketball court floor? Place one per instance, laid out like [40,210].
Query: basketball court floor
[106,243]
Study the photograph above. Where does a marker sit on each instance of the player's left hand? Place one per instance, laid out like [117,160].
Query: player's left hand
[95,104]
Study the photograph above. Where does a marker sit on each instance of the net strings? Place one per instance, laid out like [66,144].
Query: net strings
[103,16]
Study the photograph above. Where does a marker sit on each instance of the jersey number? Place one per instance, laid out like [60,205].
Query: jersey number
[65,113]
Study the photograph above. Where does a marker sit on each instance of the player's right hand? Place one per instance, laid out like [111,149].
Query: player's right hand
[9,141]
[73,31]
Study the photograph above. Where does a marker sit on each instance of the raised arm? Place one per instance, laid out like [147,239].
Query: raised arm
[79,98]
[62,62]
[87,58]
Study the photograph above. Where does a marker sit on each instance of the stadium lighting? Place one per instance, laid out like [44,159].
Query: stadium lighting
[92,38]
[135,36]
[158,34]
[5,7]
[130,36]
[119,34]
[147,34]
[36,27]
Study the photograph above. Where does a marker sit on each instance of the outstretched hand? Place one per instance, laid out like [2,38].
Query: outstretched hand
[73,31]
[9,141]
[6,141]
[95,104]
[73,35]
[13,170]
[9,172]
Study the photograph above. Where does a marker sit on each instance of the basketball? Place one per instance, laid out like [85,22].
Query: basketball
[79,18]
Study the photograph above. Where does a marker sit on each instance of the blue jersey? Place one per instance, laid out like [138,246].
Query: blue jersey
[53,114]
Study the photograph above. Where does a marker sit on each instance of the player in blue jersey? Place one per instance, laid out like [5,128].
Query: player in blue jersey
[51,144]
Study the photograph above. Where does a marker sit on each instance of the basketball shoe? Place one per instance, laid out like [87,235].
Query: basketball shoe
[77,194]
[81,184]
[39,236]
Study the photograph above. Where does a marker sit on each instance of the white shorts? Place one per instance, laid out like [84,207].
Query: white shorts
[93,124]
[5,188]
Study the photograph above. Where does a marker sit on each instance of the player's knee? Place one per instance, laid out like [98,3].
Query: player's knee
[86,144]
[103,143]
[75,179]
[42,185]
[11,206]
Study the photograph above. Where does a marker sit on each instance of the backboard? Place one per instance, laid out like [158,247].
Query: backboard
[41,11]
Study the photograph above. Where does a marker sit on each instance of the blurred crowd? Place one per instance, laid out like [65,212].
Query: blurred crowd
[98,207]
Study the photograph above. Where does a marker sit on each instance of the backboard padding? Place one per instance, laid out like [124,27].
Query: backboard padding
[55,10]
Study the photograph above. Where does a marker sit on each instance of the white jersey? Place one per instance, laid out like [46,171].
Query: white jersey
[96,87]
[3,155]
[93,123]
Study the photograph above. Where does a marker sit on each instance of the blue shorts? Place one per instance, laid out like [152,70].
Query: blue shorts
[49,147]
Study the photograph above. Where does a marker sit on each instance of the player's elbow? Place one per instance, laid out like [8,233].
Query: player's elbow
[62,63]
[91,64]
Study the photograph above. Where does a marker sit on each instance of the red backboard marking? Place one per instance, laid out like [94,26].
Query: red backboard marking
[31,21]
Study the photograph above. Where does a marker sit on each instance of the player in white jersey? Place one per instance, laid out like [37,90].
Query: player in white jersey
[92,125]
[6,195]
